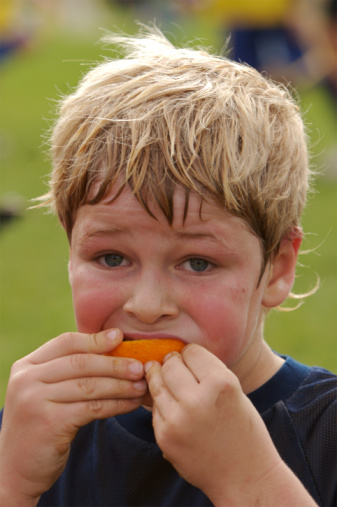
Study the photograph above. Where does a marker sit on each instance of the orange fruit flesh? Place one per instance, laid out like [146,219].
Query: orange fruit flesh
[147,350]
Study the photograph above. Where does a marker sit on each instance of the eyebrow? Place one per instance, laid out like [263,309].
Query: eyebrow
[111,231]
[121,230]
[179,233]
[197,235]
[218,239]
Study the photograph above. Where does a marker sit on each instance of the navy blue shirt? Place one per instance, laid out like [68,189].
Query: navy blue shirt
[116,462]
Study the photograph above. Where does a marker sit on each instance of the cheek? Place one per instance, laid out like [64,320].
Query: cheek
[227,319]
[93,303]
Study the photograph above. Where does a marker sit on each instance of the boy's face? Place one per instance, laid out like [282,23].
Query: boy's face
[196,281]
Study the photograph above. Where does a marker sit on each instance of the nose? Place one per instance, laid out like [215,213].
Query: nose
[150,300]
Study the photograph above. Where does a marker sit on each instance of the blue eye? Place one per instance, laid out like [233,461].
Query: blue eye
[113,260]
[199,264]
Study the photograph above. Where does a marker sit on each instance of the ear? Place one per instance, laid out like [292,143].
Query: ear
[282,269]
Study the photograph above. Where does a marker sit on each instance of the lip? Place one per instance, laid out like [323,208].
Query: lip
[151,336]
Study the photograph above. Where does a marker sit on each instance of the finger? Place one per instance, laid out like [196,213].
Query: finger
[83,412]
[89,365]
[178,378]
[72,343]
[157,388]
[95,388]
[217,382]
[202,363]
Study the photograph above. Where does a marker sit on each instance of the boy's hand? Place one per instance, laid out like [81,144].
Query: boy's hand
[212,434]
[52,392]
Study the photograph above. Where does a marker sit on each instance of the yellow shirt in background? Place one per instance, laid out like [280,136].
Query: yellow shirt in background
[252,13]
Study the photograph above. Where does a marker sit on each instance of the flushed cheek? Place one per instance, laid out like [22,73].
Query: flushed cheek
[93,305]
[227,322]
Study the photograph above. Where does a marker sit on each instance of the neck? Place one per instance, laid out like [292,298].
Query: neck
[263,366]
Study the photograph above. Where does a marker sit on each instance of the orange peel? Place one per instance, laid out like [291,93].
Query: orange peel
[147,350]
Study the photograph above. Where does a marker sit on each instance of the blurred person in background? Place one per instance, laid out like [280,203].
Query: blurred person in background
[13,36]
[260,34]
[315,24]
[290,40]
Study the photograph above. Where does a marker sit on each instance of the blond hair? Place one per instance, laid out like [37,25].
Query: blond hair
[164,116]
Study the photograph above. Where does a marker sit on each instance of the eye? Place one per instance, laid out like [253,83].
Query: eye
[197,265]
[113,260]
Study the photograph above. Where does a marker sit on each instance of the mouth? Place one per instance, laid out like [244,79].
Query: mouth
[151,336]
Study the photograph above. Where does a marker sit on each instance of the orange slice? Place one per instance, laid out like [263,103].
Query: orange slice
[147,350]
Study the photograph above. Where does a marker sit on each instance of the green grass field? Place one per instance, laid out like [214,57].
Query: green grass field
[35,296]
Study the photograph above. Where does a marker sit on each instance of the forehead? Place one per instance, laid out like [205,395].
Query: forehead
[185,208]
[125,215]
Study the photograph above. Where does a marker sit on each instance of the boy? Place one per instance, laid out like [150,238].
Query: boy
[179,178]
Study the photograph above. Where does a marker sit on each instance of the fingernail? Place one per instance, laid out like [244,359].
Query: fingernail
[112,334]
[140,386]
[170,354]
[136,367]
[148,366]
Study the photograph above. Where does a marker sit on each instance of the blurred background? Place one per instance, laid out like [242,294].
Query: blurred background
[47,45]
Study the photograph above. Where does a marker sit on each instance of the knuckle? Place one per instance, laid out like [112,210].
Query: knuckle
[122,386]
[174,426]
[224,389]
[19,383]
[22,393]
[100,409]
[79,362]
[156,389]
[87,385]
[120,405]
[194,404]
[114,365]
[96,407]
[222,384]
[95,343]
[15,369]
[64,337]
[167,434]
[66,340]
